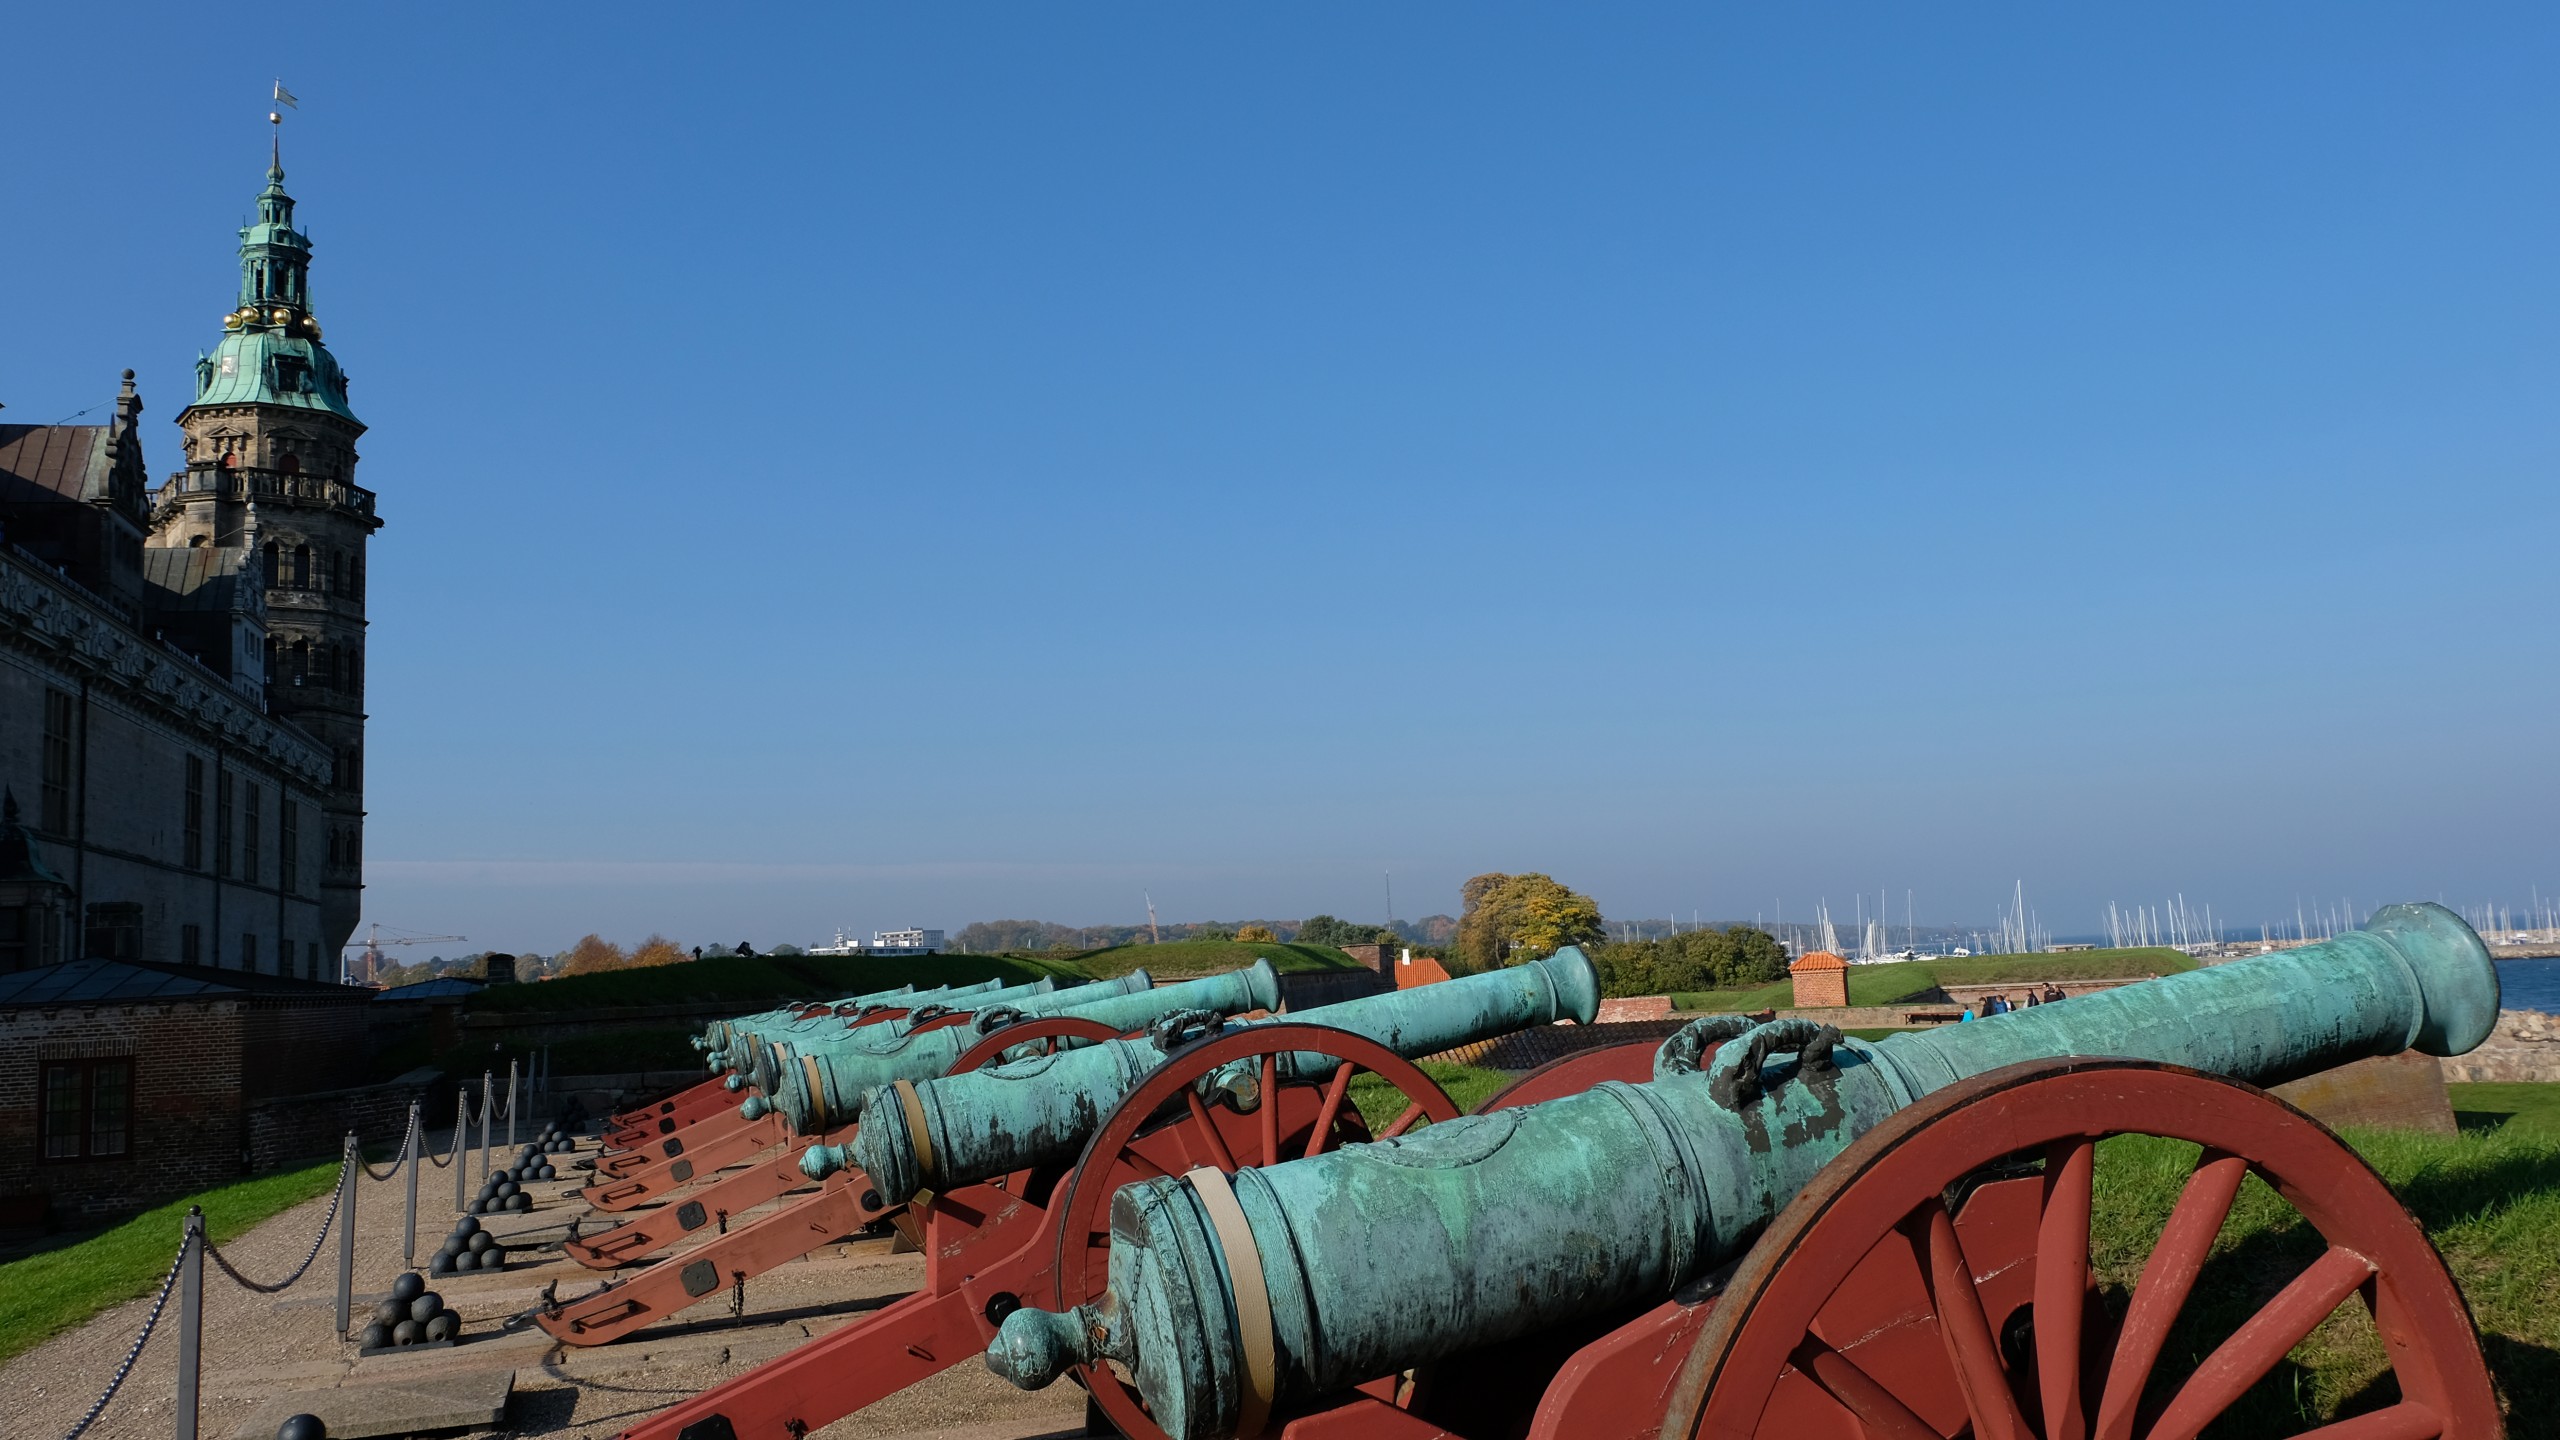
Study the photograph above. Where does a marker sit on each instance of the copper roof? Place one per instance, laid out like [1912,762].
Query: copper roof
[53,462]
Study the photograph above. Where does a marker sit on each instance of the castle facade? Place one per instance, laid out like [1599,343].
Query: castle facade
[182,668]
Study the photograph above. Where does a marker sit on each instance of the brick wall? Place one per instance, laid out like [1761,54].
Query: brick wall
[186,1107]
[305,1127]
[303,1046]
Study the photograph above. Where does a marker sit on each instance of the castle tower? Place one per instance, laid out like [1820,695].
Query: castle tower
[271,462]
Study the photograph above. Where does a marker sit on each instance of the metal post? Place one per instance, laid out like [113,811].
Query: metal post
[461,1125]
[190,1319]
[511,1105]
[488,1090]
[417,1148]
[347,1234]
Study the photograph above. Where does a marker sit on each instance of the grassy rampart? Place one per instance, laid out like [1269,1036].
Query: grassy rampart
[1183,959]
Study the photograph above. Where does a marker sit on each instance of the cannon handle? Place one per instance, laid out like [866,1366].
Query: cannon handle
[1681,1054]
[1733,1081]
[1182,1027]
[996,1017]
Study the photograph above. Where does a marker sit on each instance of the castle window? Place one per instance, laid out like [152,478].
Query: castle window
[87,1107]
[289,846]
[301,662]
[248,950]
[249,834]
[197,542]
[114,931]
[301,567]
[270,549]
[194,829]
[190,944]
[53,801]
[222,823]
[290,463]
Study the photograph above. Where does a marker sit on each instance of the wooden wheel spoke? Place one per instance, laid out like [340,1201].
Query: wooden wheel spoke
[2062,1283]
[1403,1122]
[1268,1087]
[1206,1125]
[1334,1090]
[1147,1169]
[1884,1417]
[2256,1346]
[1966,1332]
[2167,1279]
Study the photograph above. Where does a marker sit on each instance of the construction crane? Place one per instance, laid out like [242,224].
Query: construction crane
[371,959]
[1152,937]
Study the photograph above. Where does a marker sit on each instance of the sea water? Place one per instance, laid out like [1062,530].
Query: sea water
[2529,985]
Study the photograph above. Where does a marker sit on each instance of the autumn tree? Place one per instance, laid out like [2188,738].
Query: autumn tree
[1257,934]
[658,950]
[1514,918]
[592,955]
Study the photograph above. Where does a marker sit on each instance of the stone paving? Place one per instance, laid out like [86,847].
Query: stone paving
[256,1346]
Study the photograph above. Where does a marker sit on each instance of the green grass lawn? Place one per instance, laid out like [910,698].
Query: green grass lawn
[2487,1106]
[1903,980]
[1185,958]
[771,978]
[46,1294]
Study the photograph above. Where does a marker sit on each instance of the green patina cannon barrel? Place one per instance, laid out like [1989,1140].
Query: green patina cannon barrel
[737,1038]
[716,1036]
[770,1054]
[1376,1258]
[1042,1110]
[820,1088]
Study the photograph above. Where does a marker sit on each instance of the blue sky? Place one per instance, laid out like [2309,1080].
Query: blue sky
[912,466]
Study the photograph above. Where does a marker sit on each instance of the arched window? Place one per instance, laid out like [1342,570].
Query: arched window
[355,577]
[270,549]
[301,662]
[301,567]
[289,463]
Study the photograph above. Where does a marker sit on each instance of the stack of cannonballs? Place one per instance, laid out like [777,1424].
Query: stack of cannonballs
[468,1248]
[413,1315]
[554,1141]
[504,1190]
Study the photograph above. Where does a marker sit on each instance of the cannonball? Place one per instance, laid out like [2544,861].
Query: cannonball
[424,1308]
[480,1240]
[451,1247]
[408,1332]
[440,1266]
[408,1287]
[390,1312]
[519,1201]
[376,1335]
[444,1326]
[546,1173]
[493,1258]
[479,1204]
[302,1427]
[465,1225]
[506,1188]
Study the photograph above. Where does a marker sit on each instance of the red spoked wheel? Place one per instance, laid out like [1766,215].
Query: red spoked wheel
[1047,1031]
[1939,1276]
[1165,1127]
[1572,1074]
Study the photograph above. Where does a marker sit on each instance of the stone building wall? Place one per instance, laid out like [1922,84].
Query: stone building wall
[2525,1046]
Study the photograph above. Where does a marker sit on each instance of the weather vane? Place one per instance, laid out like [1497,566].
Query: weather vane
[285,98]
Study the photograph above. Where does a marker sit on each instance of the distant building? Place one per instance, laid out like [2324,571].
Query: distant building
[1821,980]
[886,942]
[2068,948]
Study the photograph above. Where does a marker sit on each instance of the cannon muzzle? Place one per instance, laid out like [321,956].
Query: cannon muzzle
[1376,1258]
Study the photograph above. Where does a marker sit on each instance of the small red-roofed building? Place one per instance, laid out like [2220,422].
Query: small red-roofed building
[1821,979]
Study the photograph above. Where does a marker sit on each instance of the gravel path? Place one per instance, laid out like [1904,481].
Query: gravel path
[257,1346]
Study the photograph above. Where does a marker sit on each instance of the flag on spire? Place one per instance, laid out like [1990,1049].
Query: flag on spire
[285,97]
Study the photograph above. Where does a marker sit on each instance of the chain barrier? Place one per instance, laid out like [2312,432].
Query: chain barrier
[150,1322]
[461,1122]
[405,1136]
[335,1194]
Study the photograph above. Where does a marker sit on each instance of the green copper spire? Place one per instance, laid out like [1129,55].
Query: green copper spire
[271,352]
